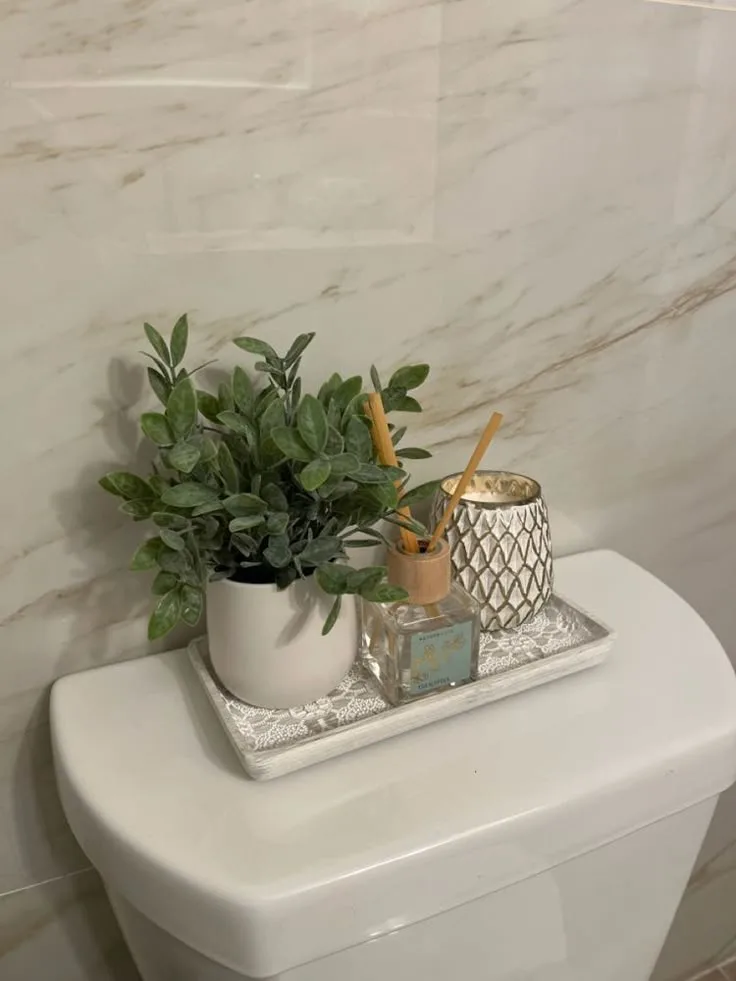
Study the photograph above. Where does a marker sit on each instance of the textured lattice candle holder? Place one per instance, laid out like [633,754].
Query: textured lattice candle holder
[500,545]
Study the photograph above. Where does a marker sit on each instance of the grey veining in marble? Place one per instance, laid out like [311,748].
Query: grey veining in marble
[537,197]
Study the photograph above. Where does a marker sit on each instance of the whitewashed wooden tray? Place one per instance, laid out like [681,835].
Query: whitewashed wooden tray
[561,640]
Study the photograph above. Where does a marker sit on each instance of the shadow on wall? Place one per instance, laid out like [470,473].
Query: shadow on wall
[111,604]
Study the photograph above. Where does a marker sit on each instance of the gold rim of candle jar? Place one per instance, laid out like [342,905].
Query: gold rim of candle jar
[450,482]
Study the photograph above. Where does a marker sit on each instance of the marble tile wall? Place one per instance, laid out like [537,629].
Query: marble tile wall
[538,197]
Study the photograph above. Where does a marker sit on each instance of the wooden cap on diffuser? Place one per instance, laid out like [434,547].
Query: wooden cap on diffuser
[424,575]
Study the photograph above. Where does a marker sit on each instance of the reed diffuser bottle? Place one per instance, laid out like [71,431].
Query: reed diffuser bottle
[429,642]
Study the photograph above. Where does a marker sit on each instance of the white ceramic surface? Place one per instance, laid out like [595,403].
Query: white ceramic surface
[559,924]
[267,646]
[267,877]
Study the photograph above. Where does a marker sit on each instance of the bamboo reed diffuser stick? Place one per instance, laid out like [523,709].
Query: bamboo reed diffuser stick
[387,455]
[478,453]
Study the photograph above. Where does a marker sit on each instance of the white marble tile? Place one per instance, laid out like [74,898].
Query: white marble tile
[538,198]
[35,841]
[259,43]
[159,171]
[62,930]
[703,933]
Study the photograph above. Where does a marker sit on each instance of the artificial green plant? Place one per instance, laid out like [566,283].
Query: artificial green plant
[262,483]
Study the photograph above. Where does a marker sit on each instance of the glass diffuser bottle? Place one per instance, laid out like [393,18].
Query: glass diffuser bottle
[429,642]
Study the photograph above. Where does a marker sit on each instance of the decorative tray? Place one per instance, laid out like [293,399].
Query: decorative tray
[561,640]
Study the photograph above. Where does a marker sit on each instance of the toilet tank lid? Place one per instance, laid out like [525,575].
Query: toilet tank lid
[262,877]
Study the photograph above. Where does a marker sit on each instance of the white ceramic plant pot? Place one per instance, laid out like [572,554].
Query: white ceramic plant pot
[267,646]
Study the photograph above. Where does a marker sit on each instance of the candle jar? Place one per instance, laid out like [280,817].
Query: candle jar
[500,545]
[429,642]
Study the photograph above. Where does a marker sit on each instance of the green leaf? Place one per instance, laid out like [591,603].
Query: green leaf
[246,545]
[146,555]
[243,505]
[207,449]
[384,593]
[157,428]
[137,509]
[246,522]
[160,385]
[192,604]
[203,509]
[335,491]
[263,399]
[365,579]
[160,366]
[380,497]
[276,524]
[181,409]
[184,457]
[126,485]
[312,423]
[272,418]
[416,527]
[227,468]
[329,388]
[344,464]
[332,616]
[167,519]
[157,343]
[291,444]
[333,579]
[358,439]
[189,495]
[158,484]
[298,348]
[177,563]
[375,379]
[166,615]
[320,550]
[407,404]
[225,396]
[240,425]
[208,405]
[347,391]
[397,434]
[271,455]
[314,474]
[413,453]
[255,346]
[334,417]
[335,443]
[274,497]
[179,340]
[163,583]
[243,392]
[172,540]
[278,553]
[412,376]
[421,492]
[369,473]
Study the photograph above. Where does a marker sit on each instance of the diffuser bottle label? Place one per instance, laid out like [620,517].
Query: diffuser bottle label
[441,657]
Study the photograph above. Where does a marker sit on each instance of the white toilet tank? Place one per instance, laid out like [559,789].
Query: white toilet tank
[547,837]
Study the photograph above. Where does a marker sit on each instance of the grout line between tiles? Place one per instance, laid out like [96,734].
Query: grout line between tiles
[45,882]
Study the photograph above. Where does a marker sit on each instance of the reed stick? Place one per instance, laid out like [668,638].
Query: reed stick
[462,485]
[387,455]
